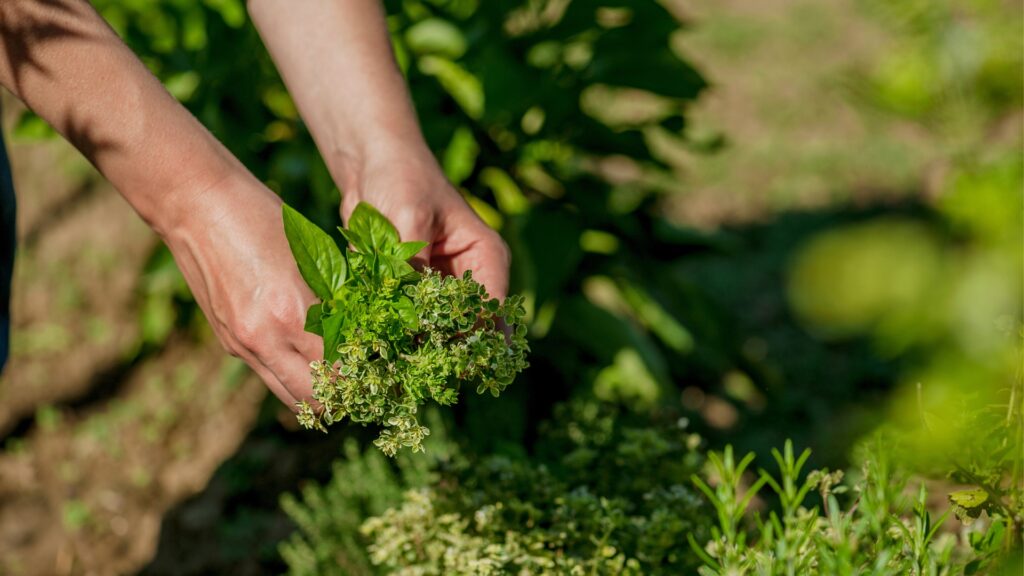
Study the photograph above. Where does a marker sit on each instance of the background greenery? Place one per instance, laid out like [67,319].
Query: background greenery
[813,235]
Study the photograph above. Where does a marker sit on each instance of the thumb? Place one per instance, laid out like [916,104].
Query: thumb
[492,268]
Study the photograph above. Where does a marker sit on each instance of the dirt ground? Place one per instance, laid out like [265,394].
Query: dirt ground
[100,436]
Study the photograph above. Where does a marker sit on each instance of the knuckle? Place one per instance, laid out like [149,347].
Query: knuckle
[249,333]
[412,219]
[278,316]
[283,314]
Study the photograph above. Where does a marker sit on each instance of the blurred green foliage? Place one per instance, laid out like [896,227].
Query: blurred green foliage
[868,525]
[957,61]
[944,295]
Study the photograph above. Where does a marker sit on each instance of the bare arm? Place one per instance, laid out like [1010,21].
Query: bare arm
[336,58]
[222,225]
[65,63]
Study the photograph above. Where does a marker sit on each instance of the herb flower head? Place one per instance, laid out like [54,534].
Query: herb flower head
[395,337]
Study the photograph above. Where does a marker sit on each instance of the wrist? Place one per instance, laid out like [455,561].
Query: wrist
[351,168]
[175,211]
[162,176]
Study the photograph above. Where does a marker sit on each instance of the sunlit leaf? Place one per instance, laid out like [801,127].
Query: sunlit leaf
[319,259]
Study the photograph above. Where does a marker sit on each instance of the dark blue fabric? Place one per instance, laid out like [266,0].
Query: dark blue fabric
[7,238]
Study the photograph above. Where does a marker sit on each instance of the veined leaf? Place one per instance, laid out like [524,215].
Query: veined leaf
[407,250]
[332,325]
[314,323]
[394,267]
[355,241]
[373,229]
[320,261]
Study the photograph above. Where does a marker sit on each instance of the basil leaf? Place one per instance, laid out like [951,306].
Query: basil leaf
[395,268]
[314,323]
[373,228]
[320,260]
[355,241]
[332,325]
[407,250]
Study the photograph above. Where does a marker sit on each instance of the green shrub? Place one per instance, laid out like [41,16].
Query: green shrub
[607,494]
[878,528]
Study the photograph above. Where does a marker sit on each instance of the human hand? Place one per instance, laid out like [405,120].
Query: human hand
[232,250]
[415,195]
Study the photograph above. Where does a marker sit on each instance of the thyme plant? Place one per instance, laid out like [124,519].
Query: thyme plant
[395,337]
[875,523]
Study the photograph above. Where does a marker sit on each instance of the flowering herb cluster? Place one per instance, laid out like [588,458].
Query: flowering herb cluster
[393,336]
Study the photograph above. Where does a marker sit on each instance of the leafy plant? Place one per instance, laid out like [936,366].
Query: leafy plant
[878,530]
[394,337]
[365,483]
[606,495]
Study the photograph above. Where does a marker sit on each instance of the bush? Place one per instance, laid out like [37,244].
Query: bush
[880,528]
[610,492]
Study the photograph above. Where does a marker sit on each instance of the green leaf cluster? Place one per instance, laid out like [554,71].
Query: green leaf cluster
[395,337]
[607,494]
[879,523]
[609,491]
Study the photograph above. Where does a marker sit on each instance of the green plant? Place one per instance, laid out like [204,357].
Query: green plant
[364,483]
[879,529]
[605,495]
[977,442]
[394,337]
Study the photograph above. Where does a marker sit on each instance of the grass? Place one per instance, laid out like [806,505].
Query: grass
[795,93]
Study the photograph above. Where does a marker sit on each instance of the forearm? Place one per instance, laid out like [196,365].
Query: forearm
[335,57]
[67,65]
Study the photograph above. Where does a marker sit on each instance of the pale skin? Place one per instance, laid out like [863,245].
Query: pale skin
[222,225]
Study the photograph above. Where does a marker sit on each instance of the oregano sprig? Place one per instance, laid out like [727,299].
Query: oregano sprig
[395,337]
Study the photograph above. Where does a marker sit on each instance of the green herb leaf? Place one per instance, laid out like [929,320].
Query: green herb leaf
[320,260]
[375,231]
[395,338]
[969,504]
[355,241]
[396,268]
[314,323]
[332,326]
[407,312]
[407,250]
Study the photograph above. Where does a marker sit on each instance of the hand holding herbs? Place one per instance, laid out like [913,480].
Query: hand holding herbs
[393,336]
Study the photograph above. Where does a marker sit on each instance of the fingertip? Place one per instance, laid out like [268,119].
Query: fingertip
[273,383]
[495,275]
[308,345]
[298,379]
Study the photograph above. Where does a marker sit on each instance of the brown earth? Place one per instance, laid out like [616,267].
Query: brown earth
[101,436]
[85,491]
